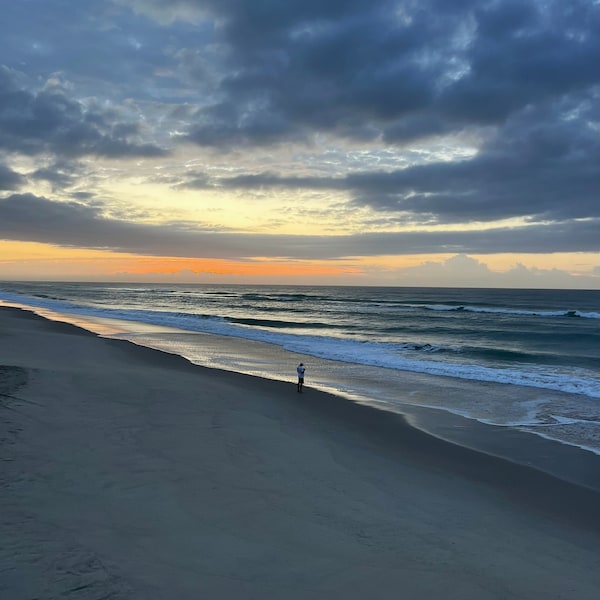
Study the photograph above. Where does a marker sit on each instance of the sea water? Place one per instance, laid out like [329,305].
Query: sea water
[524,359]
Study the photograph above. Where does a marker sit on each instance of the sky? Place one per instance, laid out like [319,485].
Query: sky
[342,142]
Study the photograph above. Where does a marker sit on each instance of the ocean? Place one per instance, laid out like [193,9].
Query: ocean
[528,360]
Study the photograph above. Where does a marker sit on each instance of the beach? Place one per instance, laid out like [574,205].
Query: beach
[131,473]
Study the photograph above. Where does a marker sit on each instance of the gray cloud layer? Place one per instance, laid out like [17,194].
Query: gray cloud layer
[78,225]
[519,77]
[404,69]
[50,121]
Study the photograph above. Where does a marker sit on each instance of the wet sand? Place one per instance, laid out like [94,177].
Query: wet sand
[131,473]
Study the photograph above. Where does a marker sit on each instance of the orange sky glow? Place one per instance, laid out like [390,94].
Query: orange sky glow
[35,261]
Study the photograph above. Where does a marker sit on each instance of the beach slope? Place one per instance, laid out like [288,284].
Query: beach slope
[127,473]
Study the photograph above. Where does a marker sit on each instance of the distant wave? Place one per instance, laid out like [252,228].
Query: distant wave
[512,311]
[282,297]
[278,324]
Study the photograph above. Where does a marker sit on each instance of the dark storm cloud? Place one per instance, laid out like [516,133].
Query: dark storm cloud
[297,67]
[276,71]
[407,69]
[542,164]
[27,217]
[50,121]
[525,53]
[9,179]
[60,174]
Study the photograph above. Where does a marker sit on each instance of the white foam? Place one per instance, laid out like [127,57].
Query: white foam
[555,438]
[529,423]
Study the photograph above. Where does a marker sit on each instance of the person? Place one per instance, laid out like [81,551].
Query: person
[300,369]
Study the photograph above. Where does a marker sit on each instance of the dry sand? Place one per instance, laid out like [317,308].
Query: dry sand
[127,473]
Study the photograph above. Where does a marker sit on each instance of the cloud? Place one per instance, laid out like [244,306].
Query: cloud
[301,67]
[523,54]
[360,69]
[519,77]
[61,174]
[48,120]
[464,271]
[26,217]
[541,165]
[9,179]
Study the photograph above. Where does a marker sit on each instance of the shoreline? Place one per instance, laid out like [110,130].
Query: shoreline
[569,462]
[135,473]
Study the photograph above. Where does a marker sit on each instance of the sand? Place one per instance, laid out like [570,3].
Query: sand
[127,473]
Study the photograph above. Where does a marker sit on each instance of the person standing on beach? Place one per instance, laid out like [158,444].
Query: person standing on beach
[300,369]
